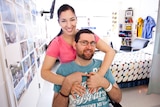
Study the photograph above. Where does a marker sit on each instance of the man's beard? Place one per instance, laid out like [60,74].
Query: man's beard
[85,56]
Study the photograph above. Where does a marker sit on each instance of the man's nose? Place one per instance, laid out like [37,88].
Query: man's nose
[89,45]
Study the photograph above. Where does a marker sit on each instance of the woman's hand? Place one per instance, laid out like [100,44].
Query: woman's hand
[76,77]
[75,80]
[77,88]
[93,82]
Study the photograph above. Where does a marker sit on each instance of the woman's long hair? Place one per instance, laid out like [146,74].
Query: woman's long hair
[61,9]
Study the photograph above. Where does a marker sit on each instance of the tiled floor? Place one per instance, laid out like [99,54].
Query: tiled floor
[131,97]
[137,97]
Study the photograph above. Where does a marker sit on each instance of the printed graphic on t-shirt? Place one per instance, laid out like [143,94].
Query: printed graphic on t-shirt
[96,99]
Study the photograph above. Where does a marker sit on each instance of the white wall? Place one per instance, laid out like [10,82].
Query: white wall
[6,95]
[91,9]
[3,93]
[11,53]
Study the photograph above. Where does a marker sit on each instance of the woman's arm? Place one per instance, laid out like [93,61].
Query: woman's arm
[109,56]
[113,91]
[48,74]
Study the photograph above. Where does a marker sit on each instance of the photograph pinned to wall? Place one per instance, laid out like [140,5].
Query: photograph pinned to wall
[42,29]
[43,48]
[38,62]
[41,41]
[35,32]
[26,64]
[26,4]
[19,14]
[30,31]
[19,90]
[17,73]
[28,78]
[7,11]
[34,12]
[32,58]
[38,43]
[10,31]
[40,51]
[34,70]
[22,35]
[37,52]
[12,0]
[20,2]
[33,8]
[30,44]
[24,48]
[0,16]
[27,17]
[33,20]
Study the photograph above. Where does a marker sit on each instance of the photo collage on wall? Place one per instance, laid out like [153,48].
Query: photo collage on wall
[23,73]
[18,24]
[18,80]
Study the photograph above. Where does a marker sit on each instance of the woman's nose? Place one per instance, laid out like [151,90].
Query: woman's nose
[69,24]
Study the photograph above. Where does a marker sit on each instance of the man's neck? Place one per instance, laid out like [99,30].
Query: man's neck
[82,62]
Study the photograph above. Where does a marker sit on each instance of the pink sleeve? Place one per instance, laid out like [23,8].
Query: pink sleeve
[53,49]
[97,38]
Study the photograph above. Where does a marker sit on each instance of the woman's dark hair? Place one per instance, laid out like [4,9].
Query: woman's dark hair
[61,9]
[77,36]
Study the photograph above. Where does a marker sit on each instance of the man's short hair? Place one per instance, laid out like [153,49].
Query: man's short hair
[77,36]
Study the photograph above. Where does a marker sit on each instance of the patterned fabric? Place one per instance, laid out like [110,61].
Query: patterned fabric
[131,66]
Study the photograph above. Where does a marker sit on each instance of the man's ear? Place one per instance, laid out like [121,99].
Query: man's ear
[74,45]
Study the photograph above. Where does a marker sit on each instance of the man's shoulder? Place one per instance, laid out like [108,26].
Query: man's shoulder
[67,65]
[97,60]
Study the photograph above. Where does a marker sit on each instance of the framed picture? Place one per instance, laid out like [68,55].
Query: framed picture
[129,13]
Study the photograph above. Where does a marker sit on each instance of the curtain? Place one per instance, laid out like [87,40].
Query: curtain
[154,82]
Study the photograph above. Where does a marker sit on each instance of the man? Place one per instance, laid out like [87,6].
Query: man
[81,96]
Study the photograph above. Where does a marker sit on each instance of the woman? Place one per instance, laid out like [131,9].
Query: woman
[61,47]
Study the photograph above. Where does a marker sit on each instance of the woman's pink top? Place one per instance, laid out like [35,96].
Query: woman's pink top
[60,49]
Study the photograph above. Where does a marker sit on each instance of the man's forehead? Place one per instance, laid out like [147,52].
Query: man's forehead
[87,36]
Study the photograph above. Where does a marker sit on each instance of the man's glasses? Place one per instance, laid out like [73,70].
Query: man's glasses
[85,43]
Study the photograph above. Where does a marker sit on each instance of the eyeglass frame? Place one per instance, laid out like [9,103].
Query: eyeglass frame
[85,43]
